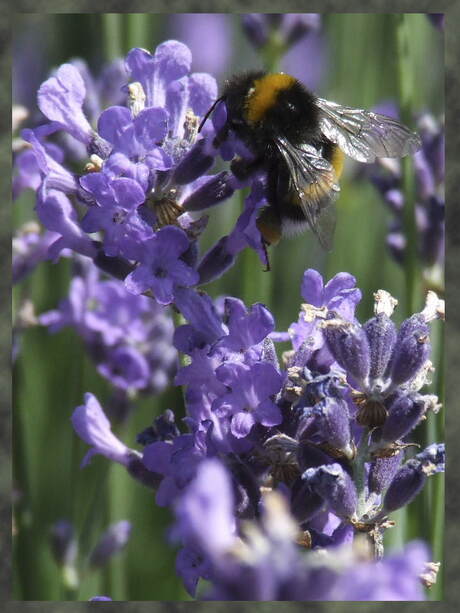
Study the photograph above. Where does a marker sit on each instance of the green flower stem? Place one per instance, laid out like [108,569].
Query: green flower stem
[273,51]
[137,30]
[412,269]
[359,471]
[112,35]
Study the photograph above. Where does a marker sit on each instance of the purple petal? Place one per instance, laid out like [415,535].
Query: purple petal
[345,303]
[171,242]
[116,125]
[183,274]
[172,60]
[157,457]
[128,193]
[151,127]
[267,380]
[138,281]
[312,287]
[230,372]
[162,289]
[158,159]
[177,102]
[268,414]
[203,92]
[61,98]
[199,310]
[56,213]
[242,423]
[91,425]
[341,281]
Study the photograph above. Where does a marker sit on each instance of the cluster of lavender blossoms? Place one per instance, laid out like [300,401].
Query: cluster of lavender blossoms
[429,167]
[282,475]
[133,208]
[128,336]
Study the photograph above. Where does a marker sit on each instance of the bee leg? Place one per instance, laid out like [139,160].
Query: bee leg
[264,247]
[242,169]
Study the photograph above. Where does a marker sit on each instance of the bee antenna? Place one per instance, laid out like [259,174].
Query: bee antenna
[203,121]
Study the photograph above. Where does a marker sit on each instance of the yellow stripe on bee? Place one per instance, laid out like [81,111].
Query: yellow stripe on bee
[337,160]
[263,94]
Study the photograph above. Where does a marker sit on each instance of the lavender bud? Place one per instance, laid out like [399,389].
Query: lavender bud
[110,543]
[136,468]
[381,334]
[114,266]
[349,345]
[433,458]
[412,349]
[437,19]
[212,192]
[215,262]
[333,422]
[309,456]
[305,503]
[411,477]
[193,165]
[63,543]
[299,25]
[433,237]
[99,146]
[335,486]
[255,27]
[404,414]
[407,483]
[382,472]
[269,354]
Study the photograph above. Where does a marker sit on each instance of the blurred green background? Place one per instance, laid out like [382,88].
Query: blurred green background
[360,65]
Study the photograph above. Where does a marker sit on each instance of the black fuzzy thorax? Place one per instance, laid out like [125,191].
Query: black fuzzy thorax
[293,115]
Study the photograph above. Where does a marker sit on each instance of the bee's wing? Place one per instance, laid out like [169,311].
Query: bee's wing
[314,182]
[364,135]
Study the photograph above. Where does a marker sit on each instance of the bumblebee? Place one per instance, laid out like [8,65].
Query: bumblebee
[301,140]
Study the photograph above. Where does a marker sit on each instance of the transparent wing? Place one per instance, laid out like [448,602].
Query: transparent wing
[314,182]
[364,135]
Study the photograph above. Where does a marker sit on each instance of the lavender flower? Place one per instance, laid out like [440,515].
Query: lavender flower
[91,424]
[146,170]
[275,441]
[286,30]
[63,543]
[412,476]
[128,336]
[429,174]
[161,268]
[380,362]
[111,542]
[437,19]
[339,295]
[263,562]
[30,247]
[249,401]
